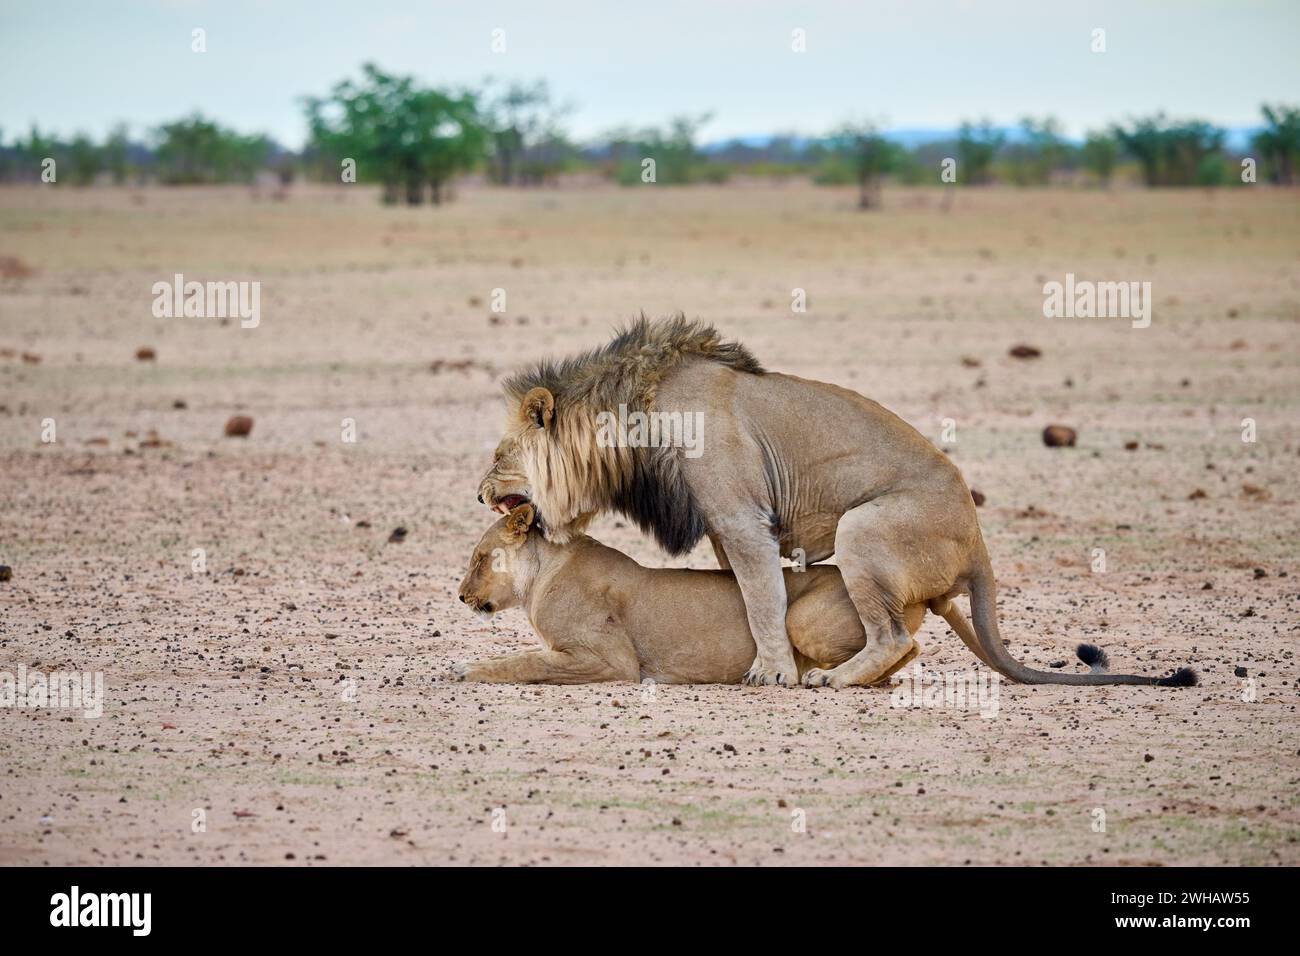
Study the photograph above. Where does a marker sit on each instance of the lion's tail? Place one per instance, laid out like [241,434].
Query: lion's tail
[986,642]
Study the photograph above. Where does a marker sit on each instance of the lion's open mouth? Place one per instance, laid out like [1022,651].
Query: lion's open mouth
[510,502]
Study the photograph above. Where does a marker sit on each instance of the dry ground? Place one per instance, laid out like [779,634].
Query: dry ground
[296,691]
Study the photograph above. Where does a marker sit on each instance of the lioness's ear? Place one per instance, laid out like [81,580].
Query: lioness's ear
[538,407]
[520,520]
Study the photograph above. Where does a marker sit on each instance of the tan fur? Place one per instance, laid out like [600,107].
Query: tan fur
[603,617]
[790,467]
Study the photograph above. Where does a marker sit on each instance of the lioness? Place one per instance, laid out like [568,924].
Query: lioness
[604,617]
[785,465]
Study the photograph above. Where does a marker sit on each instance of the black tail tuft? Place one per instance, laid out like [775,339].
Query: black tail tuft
[1183,677]
[1093,656]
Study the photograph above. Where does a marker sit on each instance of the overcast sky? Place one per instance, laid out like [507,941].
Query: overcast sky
[84,64]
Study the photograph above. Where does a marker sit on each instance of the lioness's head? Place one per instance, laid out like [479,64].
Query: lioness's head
[501,569]
[549,459]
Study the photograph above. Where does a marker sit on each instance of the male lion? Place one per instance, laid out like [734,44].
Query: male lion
[787,464]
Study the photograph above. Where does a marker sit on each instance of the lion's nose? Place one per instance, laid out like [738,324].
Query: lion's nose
[480,498]
[462,598]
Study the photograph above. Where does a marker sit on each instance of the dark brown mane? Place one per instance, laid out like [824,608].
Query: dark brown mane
[629,366]
[644,484]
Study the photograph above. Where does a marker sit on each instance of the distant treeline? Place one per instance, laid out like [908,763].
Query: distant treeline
[414,140]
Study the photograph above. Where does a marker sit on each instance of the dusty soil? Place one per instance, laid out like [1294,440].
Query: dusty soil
[295,691]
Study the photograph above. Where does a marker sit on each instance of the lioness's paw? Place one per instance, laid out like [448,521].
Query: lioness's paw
[760,676]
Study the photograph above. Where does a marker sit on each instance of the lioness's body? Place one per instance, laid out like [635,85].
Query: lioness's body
[604,617]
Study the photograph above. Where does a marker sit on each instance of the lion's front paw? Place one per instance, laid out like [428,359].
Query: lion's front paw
[816,677]
[834,678]
[762,675]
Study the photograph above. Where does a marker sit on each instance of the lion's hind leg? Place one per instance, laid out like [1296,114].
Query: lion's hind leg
[823,626]
[889,559]
[826,631]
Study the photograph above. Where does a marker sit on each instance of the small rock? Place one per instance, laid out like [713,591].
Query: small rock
[1260,573]
[1025,352]
[239,426]
[1130,446]
[1059,436]
[1196,495]
[11,267]
[6,573]
[1239,671]
[977,497]
[398,536]
[145,354]
[1147,758]
[1057,664]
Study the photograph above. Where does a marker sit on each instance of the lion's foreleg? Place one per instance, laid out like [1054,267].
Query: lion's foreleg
[756,561]
[719,553]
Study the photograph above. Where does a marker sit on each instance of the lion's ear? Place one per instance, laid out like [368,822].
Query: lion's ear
[538,407]
[520,520]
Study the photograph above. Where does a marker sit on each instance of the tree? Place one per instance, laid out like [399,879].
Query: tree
[976,148]
[399,134]
[196,151]
[450,137]
[526,145]
[1100,153]
[1040,151]
[33,152]
[869,155]
[1279,143]
[116,153]
[1175,154]
[676,158]
[84,159]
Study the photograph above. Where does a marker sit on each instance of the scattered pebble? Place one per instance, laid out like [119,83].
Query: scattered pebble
[1059,436]
[239,426]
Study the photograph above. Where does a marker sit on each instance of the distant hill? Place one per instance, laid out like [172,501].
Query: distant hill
[1238,138]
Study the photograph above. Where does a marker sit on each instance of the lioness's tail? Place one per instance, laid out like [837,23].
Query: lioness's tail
[986,642]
